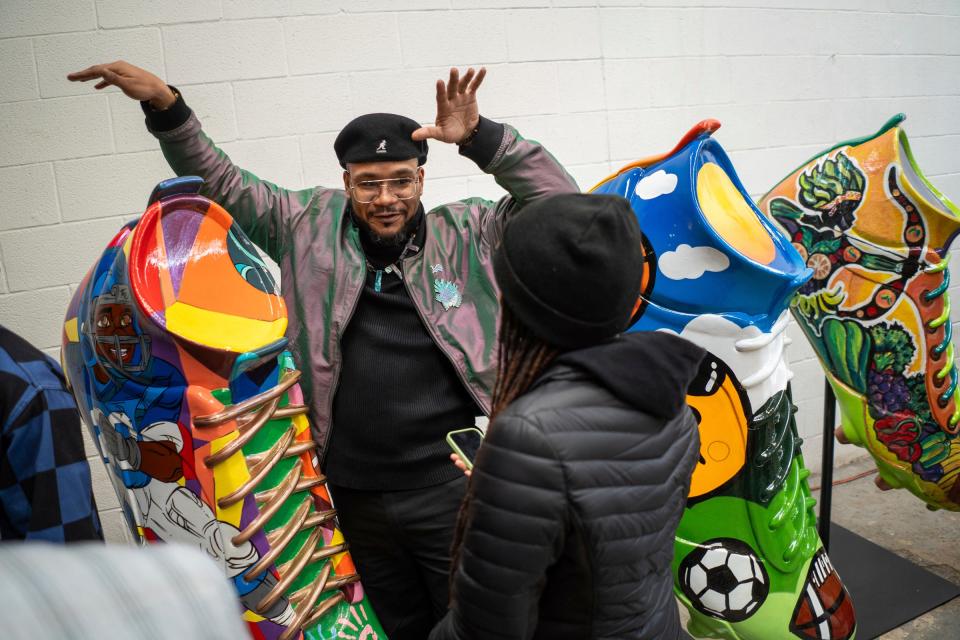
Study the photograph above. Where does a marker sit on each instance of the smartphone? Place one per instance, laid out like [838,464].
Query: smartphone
[465,443]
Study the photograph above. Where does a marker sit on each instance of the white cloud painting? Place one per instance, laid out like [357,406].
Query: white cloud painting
[690,263]
[659,183]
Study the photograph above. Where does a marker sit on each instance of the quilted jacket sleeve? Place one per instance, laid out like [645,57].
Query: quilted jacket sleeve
[517,522]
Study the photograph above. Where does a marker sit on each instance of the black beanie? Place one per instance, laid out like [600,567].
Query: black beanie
[378,137]
[569,267]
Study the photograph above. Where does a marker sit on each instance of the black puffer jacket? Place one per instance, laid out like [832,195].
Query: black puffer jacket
[577,492]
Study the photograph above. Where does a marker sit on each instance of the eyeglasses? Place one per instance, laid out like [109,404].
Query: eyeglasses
[367,191]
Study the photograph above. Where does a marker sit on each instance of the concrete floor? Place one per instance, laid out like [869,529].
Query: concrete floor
[901,523]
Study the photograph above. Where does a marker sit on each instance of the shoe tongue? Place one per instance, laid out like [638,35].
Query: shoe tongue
[198,277]
[940,215]
[897,208]
[257,371]
[254,380]
[871,190]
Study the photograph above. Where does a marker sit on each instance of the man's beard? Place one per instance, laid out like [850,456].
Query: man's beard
[392,241]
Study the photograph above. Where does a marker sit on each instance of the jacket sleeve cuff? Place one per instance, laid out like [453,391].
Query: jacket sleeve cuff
[168,119]
[485,144]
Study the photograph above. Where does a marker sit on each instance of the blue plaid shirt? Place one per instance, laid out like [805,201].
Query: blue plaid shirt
[45,491]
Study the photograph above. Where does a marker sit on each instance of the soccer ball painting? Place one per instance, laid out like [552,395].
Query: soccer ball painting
[724,578]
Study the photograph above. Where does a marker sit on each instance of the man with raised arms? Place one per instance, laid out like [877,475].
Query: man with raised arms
[393,313]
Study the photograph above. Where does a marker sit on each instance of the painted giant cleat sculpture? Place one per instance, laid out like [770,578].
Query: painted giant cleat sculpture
[174,348]
[748,561]
[875,232]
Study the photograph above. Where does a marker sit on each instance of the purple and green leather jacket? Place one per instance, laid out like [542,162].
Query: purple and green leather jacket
[310,235]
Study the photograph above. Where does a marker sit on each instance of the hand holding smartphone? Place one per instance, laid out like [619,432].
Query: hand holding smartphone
[465,443]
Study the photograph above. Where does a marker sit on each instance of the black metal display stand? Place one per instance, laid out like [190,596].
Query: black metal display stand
[887,590]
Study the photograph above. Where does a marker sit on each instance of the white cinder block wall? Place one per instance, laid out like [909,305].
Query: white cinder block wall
[601,83]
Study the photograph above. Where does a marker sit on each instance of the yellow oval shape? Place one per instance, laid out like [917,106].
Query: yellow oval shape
[731,216]
[722,421]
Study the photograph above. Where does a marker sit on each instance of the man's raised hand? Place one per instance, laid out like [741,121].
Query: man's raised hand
[135,82]
[457,111]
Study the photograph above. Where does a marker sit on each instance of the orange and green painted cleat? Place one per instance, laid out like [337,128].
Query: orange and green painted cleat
[173,346]
[875,232]
[748,562]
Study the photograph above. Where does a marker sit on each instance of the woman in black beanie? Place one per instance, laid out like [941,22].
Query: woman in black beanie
[567,529]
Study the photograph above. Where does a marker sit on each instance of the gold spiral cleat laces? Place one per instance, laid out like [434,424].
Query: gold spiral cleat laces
[251,415]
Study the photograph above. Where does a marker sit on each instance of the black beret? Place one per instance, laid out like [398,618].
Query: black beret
[378,137]
[569,267]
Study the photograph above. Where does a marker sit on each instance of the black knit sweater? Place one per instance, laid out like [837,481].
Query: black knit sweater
[398,395]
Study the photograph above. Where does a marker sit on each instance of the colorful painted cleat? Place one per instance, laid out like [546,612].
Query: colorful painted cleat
[173,345]
[876,233]
[748,561]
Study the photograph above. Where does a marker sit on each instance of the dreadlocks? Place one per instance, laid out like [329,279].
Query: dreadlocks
[523,356]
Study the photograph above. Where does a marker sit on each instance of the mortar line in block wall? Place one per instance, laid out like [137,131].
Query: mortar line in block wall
[750,7]
[284,55]
[403,61]
[56,193]
[3,273]
[36,66]
[20,292]
[163,53]
[233,99]
[301,174]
